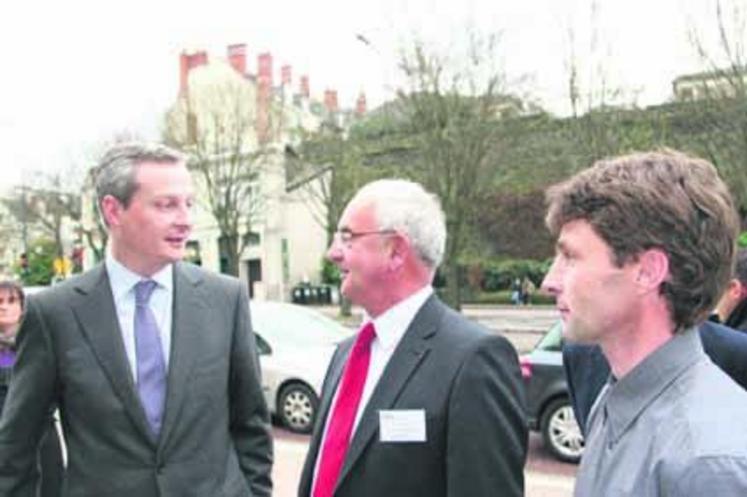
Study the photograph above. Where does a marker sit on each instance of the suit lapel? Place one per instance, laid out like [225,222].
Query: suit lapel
[187,324]
[98,320]
[325,404]
[412,349]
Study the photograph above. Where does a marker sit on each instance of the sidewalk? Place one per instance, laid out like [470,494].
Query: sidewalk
[498,318]
[522,325]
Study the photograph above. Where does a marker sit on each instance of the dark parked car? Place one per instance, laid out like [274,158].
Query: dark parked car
[548,402]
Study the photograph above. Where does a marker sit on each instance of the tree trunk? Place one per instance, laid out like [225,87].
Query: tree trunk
[228,246]
[453,296]
[345,307]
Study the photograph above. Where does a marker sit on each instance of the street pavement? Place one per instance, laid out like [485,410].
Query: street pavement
[544,476]
[522,325]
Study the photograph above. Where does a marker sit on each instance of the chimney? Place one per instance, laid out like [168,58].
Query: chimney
[285,75]
[183,73]
[237,57]
[199,59]
[330,100]
[360,104]
[187,62]
[264,96]
[305,86]
[264,69]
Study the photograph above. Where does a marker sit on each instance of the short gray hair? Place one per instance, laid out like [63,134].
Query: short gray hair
[115,172]
[408,208]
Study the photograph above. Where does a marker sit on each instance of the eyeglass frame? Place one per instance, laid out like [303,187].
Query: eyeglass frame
[347,236]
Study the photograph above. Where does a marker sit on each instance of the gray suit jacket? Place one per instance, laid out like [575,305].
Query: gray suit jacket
[215,439]
[469,384]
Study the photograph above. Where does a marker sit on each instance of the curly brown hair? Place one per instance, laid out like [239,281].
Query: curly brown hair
[663,199]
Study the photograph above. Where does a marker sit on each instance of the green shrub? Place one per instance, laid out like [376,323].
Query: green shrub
[40,269]
[498,275]
[330,273]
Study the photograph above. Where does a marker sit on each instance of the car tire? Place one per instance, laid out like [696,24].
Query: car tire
[560,431]
[297,407]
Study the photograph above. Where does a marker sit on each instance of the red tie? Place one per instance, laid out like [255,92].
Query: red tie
[340,425]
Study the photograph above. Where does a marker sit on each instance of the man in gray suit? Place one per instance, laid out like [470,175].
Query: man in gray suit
[420,401]
[151,361]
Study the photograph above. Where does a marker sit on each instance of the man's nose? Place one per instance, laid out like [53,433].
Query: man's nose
[184,216]
[334,252]
[551,282]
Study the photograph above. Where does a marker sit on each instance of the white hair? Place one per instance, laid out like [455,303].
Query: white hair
[406,207]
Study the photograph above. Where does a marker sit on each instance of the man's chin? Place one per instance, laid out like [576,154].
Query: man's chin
[575,333]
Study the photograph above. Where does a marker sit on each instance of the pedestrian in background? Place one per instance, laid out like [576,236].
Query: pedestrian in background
[12,300]
[731,309]
[527,289]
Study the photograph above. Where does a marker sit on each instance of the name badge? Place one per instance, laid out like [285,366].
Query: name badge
[405,425]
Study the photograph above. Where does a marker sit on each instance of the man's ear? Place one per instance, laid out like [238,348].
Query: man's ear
[111,210]
[736,289]
[653,269]
[399,247]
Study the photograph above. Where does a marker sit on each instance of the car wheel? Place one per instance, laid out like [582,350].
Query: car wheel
[560,431]
[297,405]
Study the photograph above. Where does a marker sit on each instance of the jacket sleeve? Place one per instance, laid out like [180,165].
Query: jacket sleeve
[487,428]
[26,412]
[250,419]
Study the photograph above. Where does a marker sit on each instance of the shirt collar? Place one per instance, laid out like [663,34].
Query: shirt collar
[123,280]
[392,324]
[633,393]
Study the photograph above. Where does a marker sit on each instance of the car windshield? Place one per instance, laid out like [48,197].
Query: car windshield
[296,326]
[553,339]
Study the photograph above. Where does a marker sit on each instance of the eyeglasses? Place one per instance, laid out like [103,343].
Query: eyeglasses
[347,236]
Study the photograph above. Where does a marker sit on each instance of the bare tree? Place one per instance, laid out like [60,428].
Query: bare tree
[451,110]
[327,167]
[216,126]
[46,205]
[717,97]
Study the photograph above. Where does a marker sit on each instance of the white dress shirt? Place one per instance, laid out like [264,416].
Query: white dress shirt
[123,282]
[390,328]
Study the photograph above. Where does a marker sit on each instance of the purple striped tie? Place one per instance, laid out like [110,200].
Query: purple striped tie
[151,367]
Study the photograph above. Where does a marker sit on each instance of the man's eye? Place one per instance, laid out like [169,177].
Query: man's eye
[164,204]
[565,257]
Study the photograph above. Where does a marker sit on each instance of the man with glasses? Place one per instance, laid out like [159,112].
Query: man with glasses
[420,401]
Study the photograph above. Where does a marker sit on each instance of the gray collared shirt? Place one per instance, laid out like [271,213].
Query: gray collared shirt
[674,426]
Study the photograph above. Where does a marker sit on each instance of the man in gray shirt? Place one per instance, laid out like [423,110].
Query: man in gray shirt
[646,245]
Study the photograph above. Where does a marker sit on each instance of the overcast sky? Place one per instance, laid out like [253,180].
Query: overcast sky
[74,73]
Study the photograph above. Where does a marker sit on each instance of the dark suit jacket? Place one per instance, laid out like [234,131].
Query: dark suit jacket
[215,439]
[469,384]
[587,369]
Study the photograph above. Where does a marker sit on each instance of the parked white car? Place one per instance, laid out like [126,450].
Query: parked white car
[295,344]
